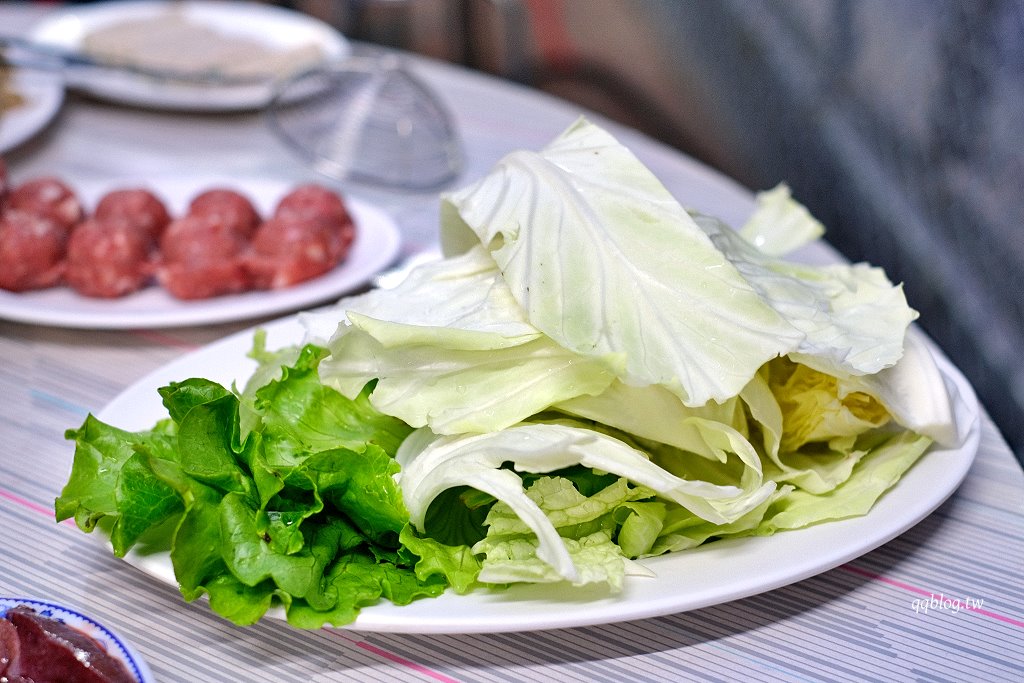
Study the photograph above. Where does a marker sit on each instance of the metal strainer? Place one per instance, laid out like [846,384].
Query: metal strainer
[367,120]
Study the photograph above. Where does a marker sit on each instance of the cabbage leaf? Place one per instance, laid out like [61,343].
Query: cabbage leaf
[604,260]
[780,224]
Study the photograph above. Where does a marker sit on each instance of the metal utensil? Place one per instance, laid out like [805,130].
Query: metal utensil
[28,54]
[369,120]
[366,119]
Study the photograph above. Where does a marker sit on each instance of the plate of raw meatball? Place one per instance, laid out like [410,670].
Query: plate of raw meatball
[181,251]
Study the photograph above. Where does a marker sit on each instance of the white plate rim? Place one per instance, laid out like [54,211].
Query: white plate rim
[376,245]
[713,574]
[66,29]
[43,94]
[115,644]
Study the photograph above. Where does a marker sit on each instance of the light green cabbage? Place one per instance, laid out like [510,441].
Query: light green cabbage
[583,318]
[592,376]
[852,318]
[432,464]
[604,260]
[780,224]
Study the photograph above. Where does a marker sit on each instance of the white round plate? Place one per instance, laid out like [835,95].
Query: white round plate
[279,28]
[115,645]
[376,245]
[708,575]
[42,94]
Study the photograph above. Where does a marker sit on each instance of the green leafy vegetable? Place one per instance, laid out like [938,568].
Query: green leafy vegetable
[592,376]
[604,260]
[780,224]
[301,510]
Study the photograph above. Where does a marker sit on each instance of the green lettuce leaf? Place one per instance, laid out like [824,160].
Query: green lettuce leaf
[456,565]
[301,510]
[111,484]
[100,452]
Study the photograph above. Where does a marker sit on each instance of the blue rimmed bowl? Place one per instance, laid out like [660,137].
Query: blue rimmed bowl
[115,645]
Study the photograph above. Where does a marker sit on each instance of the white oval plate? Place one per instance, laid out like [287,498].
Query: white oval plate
[42,94]
[376,245]
[708,575]
[115,645]
[277,27]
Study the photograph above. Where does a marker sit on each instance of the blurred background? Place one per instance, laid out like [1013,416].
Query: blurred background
[899,124]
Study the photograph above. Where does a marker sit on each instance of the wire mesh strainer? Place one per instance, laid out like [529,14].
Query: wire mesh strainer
[367,120]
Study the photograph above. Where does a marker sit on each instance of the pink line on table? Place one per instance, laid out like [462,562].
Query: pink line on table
[35,507]
[921,591]
[419,668]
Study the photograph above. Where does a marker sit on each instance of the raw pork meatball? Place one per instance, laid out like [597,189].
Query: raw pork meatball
[286,251]
[313,201]
[201,258]
[137,206]
[108,258]
[203,279]
[195,238]
[31,251]
[47,197]
[228,207]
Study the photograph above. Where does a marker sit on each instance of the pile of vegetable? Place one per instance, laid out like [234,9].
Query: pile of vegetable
[593,375]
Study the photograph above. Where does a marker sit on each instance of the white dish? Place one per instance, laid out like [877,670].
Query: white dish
[276,27]
[42,94]
[376,245]
[708,575]
[114,644]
